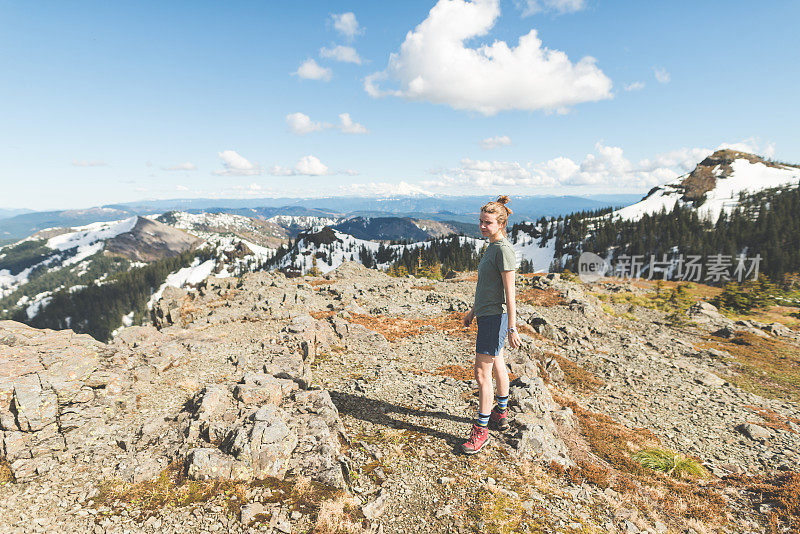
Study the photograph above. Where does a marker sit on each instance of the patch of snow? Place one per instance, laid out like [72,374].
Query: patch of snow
[194,274]
[127,319]
[33,309]
[540,256]
[744,176]
[661,198]
[84,251]
[90,233]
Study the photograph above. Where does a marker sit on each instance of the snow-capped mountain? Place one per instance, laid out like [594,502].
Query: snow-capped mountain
[212,225]
[714,185]
[52,258]
[329,248]
[398,228]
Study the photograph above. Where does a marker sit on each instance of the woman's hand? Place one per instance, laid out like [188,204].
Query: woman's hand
[514,340]
[468,318]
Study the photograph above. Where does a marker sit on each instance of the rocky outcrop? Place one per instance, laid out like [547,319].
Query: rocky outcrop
[51,389]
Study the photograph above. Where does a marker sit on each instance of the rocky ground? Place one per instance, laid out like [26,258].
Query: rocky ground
[337,404]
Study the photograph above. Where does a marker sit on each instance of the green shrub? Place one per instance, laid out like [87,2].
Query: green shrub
[746,296]
[671,463]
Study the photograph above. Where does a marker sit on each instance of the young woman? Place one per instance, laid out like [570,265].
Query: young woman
[495,312]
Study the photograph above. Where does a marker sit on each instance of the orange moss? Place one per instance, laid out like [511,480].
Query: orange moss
[773,419]
[576,376]
[765,366]
[455,371]
[324,314]
[529,331]
[611,441]
[6,475]
[315,283]
[540,297]
[782,491]
[393,328]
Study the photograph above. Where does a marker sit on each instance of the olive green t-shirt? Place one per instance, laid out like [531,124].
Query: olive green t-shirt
[490,297]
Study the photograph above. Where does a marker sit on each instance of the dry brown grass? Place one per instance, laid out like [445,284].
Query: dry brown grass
[6,475]
[782,491]
[393,328]
[540,297]
[323,314]
[317,283]
[528,330]
[455,371]
[611,463]
[772,419]
[765,366]
[172,489]
[576,376]
[341,515]
[427,287]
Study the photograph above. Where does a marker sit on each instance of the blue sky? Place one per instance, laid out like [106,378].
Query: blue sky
[106,102]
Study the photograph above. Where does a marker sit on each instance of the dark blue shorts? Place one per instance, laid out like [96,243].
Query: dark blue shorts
[492,332]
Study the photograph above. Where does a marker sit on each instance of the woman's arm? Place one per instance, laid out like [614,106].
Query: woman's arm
[511,308]
[469,317]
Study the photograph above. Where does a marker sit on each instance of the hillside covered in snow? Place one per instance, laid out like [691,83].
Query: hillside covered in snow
[715,185]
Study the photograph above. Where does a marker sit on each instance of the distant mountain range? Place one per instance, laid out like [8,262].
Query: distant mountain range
[120,261]
[12,212]
[456,209]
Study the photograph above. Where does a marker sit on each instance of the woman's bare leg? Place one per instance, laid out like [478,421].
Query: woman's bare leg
[500,374]
[483,375]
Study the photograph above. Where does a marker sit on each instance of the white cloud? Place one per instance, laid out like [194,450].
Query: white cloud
[634,86]
[494,142]
[751,145]
[348,126]
[606,166]
[531,7]
[181,188]
[307,166]
[682,159]
[384,189]
[486,174]
[185,166]
[92,163]
[434,65]
[345,54]
[301,124]
[310,70]
[661,74]
[346,24]
[236,165]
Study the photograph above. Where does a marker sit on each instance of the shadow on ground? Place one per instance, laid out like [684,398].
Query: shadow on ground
[378,412]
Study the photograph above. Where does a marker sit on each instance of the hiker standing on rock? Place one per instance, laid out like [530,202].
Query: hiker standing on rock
[495,311]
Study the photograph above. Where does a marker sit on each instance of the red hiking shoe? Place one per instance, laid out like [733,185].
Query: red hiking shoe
[499,420]
[477,439]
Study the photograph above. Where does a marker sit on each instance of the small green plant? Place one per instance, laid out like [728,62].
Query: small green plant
[671,463]
[568,275]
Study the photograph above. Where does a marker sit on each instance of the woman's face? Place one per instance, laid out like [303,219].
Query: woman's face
[489,225]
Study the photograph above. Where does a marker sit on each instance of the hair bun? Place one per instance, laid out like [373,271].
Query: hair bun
[502,199]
